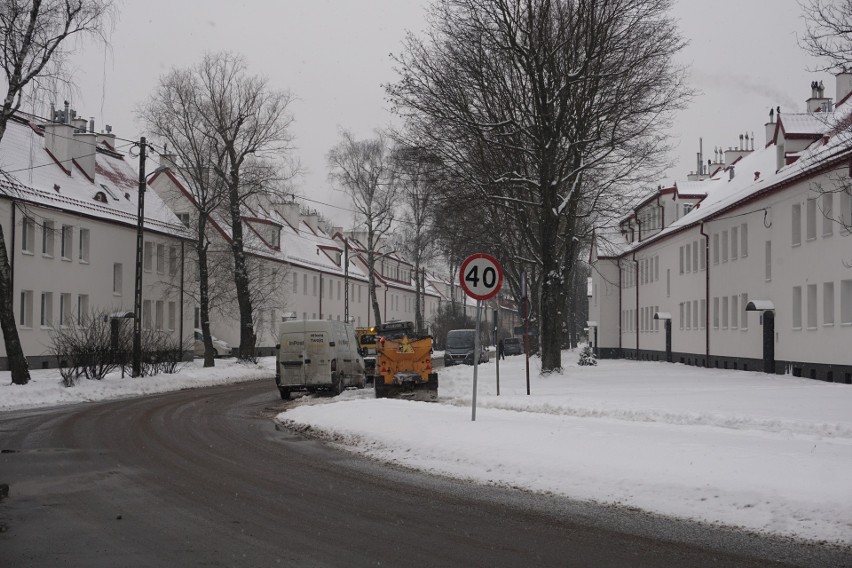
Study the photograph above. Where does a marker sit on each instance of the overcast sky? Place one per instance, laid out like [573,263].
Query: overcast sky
[333,55]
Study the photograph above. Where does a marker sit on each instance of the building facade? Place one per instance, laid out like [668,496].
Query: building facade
[748,261]
[68,209]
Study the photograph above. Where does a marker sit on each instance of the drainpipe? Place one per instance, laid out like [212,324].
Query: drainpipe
[636,279]
[620,311]
[11,298]
[320,295]
[182,264]
[706,296]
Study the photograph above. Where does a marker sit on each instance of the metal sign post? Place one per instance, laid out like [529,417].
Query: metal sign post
[476,344]
[481,278]
[497,340]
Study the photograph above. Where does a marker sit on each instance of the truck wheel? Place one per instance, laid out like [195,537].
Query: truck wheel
[285,393]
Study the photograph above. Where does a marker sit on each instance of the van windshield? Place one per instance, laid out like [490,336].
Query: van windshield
[460,340]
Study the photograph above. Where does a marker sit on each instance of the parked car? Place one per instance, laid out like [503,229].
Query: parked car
[459,348]
[513,346]
[316,355]
[220,348]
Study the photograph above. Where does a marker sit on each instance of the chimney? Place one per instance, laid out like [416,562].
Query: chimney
[843,85]
[290,213]
[818,102]
[106,136]
[312,221]
[770,128]
[167,160]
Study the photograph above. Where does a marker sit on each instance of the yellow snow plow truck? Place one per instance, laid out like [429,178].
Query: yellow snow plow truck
[404,363]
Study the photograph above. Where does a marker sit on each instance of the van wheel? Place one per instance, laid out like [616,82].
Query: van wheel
[285,393]
[337,381]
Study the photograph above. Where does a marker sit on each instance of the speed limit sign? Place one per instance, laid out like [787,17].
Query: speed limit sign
[481,276]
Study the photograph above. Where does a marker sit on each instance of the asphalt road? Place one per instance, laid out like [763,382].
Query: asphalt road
[204,478]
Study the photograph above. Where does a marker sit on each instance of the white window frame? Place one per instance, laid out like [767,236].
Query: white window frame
[828,304]
[796,225]
[813,319]
[827,214]
[82,307]
[117,279]
[846,302]
[797,307]
[48,232]
[46,311]
[84,245]
[66,247]
[25,313]
[28,235]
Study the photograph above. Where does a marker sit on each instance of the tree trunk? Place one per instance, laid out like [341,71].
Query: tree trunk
[371,260]
[204,291]
[18,365]
[248,338]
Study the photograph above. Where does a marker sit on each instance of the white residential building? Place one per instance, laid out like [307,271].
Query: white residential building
[307,260]
[68,208]
[752,263]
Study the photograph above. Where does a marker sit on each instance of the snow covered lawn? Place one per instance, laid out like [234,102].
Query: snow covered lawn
[44,388]
[768,453]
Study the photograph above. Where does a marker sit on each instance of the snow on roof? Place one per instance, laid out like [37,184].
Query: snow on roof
[812,124]
[756,172]
[34,176]
[691,187]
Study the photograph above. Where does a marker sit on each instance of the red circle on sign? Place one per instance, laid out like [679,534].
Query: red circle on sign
[481,276]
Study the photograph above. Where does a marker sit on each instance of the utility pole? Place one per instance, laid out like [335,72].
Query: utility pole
[346,278]
[137,298]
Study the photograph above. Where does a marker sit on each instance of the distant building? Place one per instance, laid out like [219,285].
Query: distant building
[68,207]
[759,239]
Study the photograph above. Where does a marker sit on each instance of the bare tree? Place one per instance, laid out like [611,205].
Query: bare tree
[828,35]
[243,140]
[33,40]
[418,173]
[174,115]
[546,109]
[364,169]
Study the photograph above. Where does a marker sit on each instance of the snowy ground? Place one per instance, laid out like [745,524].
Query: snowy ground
[767,453]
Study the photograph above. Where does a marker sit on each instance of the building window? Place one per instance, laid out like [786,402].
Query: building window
[158,314]
[84,245]
[846,209]
[184,218]
[715,313]
[812,306]
[695,313]
[688,316]
[656,268]
[67,242]
[767,271]
[724,312]
[680,253]
[811,218]
[64,309]
[682,319]
[46,319]
[797,307]
[25,318]
[148,262]
[744,240]
[146,314]
[47,232]
[174,260]
[82,308]
[827,214]
[116,278]
[846,302]
[724,246]
[703,314]
[295,283]
[735,312]
[688,257]
[715,248]
[28,235]
[735,243]
[743,306]
[695,256]
[828,304]
[172,315]
[796,229]
[702,253]
[161,258]
[315,285]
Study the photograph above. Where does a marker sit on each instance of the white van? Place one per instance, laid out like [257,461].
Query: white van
[318,355]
